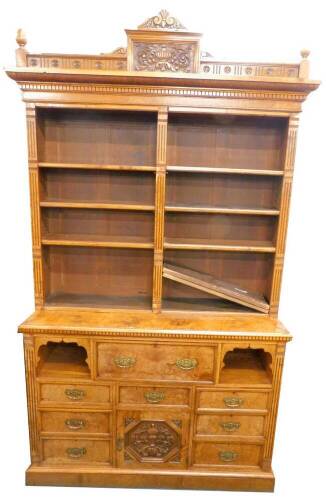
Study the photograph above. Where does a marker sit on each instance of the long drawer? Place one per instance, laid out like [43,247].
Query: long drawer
[208,453]
[77,422]
[155,362]
[232,400]
[74,393]
[230,425]
[63,451]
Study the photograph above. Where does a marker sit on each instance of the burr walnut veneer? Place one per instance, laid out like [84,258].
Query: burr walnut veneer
[160,183]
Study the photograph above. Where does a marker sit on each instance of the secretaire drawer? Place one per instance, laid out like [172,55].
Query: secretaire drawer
[154,395]
[207,453]
[61,451]
[78,422]
[232,400]
[230,425]
[155,362]
[74,393]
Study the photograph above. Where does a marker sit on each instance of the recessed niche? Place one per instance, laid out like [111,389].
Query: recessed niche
[246,366]
[62,359]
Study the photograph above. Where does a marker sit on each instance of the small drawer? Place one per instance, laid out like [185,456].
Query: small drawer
[156,362]
[232,400]
[75,394]
[77,422]
[230,425]
[63,451]
[154,395]
[226,454]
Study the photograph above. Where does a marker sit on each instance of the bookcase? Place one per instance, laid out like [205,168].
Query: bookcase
[160,183]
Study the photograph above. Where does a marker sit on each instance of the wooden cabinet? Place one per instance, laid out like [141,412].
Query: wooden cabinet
[160,183]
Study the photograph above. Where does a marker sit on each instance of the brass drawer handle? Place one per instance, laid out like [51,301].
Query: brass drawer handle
[154,397]
[124,361]
[233,402]
[76,452]
[186,363]
[230,426]
[75,394]
[228,456]
[74,424]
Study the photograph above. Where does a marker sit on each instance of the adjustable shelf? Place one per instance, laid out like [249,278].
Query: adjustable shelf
[231,246]
[220,210]
[98,166]
[98,241]
[220,170]
[96,206]
[212,286]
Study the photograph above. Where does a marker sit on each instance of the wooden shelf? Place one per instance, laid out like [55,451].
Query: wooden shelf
[216,287]
[249,366]
[221,210]
[62,360]
[98,166]
[97,241]
[63,300]
[220,170]
[209,305]
[230,246]
[96,205]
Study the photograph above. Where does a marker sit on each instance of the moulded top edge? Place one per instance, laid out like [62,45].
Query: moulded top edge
[169,325]
[27,74]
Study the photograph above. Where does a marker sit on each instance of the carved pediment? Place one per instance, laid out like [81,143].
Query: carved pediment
[163,21]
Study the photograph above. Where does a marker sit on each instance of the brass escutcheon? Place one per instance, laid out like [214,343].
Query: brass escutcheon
[186,363]
[228,456]
[230,426]
[75,394]
[233,402]
[154,396]
[124,361]
[75,424]
[76,452]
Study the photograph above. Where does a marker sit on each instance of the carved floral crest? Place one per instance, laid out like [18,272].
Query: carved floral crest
[164,57]
[163,21]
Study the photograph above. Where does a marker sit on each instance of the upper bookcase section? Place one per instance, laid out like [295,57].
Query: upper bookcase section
[161,51]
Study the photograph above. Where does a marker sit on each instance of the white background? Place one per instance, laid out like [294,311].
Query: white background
[239,31]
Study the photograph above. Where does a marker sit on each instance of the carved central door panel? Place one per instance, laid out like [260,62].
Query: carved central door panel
[152,438]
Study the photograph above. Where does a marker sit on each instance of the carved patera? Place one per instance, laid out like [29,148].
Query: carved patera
[163,21]
[164,57]
[152,441]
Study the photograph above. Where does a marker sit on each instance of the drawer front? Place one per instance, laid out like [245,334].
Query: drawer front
[78,422]
[232,400]
[63,451]
[230,425]
[155,362]
[75,394]
[226,454]
[154,395]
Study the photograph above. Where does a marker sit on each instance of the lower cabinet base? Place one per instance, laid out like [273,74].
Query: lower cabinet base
[103,476]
